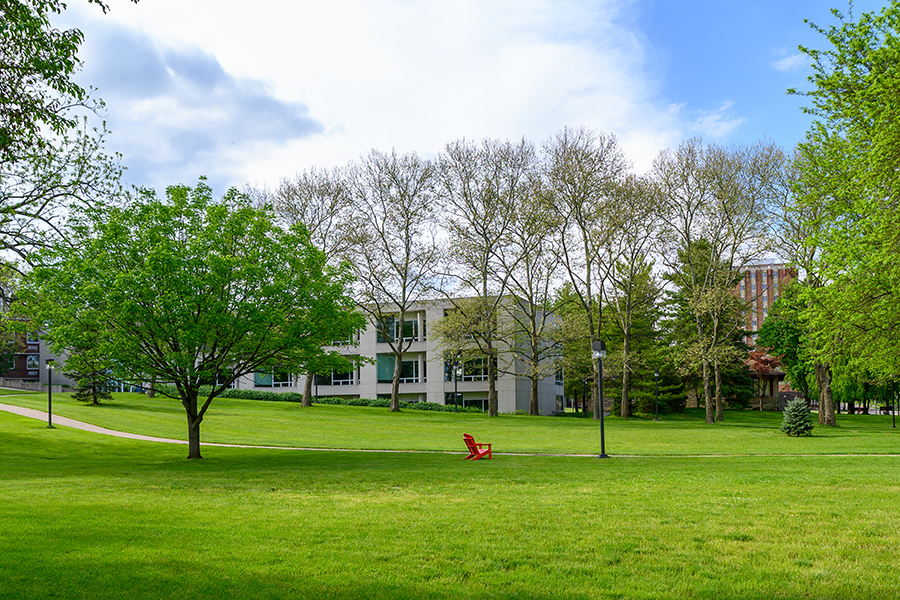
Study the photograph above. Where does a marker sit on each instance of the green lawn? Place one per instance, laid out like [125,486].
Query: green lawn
[95,517]
[233,421]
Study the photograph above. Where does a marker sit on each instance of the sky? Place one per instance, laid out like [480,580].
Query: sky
[251,93]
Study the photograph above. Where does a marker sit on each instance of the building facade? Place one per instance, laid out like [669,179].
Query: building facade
[425,375]
[761,286]
[29,365]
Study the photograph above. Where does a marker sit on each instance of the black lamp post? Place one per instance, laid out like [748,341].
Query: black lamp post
[598,351]
[50,395]
[656,396]
[456,384]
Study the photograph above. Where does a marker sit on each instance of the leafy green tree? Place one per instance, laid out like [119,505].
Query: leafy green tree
[49,157]
[181,290]
[852,150]
[37,62]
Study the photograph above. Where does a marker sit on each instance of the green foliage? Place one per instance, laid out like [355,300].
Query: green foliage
[797,419]
[181,290]
[848,165]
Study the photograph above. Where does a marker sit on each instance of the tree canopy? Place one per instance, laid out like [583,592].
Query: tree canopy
[187,291]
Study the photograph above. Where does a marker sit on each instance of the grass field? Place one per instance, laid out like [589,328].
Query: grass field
[235,421]
[91,516]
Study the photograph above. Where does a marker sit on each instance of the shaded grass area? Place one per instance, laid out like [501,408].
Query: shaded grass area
[237,421]
[88,516]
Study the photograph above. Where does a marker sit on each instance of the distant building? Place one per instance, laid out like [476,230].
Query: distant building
[424,374]
[29,366]
[761,286]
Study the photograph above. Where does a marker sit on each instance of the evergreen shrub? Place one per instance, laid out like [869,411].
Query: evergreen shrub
[797,420]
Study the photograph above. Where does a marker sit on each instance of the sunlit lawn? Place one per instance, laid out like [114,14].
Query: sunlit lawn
[321,426]
[96,517]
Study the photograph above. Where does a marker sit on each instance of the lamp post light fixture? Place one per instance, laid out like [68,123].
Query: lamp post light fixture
[656,396]
[598,352]
[50,394]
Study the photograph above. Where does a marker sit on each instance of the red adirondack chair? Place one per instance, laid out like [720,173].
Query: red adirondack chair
[476,451]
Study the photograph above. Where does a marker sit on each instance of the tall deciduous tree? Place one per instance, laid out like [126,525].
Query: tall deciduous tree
[531,261]
[713,203]
[583,169]
[853,147]
[394,251]
[183,290]
[633,287]
[49,158]
[320,201]
[481,187]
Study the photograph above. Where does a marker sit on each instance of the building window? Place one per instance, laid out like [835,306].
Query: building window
[222,377]
[32,361]
[560,379]
[272,379]
[409,371]
[453,399]
[384,330]
[388,329]
[31,337]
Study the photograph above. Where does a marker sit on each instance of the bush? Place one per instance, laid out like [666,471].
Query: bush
[797,420]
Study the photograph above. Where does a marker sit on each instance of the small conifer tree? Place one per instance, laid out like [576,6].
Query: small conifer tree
[797,420]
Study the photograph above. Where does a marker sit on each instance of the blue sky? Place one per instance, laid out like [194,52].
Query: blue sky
[253,92]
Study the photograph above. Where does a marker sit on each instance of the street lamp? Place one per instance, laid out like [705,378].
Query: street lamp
[598,351]
[656,396]
[50,394]
[456,384]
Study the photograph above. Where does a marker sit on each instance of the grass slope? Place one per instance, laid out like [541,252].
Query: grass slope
[235,421]
[89,516]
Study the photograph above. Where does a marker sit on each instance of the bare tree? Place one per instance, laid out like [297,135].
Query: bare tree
[713,204]
[321,202]
[583,169]
[633,287]
[394,250]
[531,262]
[480,188]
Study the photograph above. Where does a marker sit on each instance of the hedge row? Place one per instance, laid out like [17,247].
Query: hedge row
[297,397]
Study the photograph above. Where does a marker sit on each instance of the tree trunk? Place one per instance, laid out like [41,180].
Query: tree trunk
[626,380]
[830,420]
[707,393]
[151,391]
[533,407]
[395,384]
[720,409]
[190,406]
[307,389]
[492,385]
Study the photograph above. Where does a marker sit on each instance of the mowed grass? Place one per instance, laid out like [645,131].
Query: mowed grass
[96,517]
[232,421]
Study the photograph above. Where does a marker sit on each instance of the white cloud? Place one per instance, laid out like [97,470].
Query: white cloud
[791,63]
[392,73]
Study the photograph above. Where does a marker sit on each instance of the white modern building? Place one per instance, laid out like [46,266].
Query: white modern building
[424,375]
